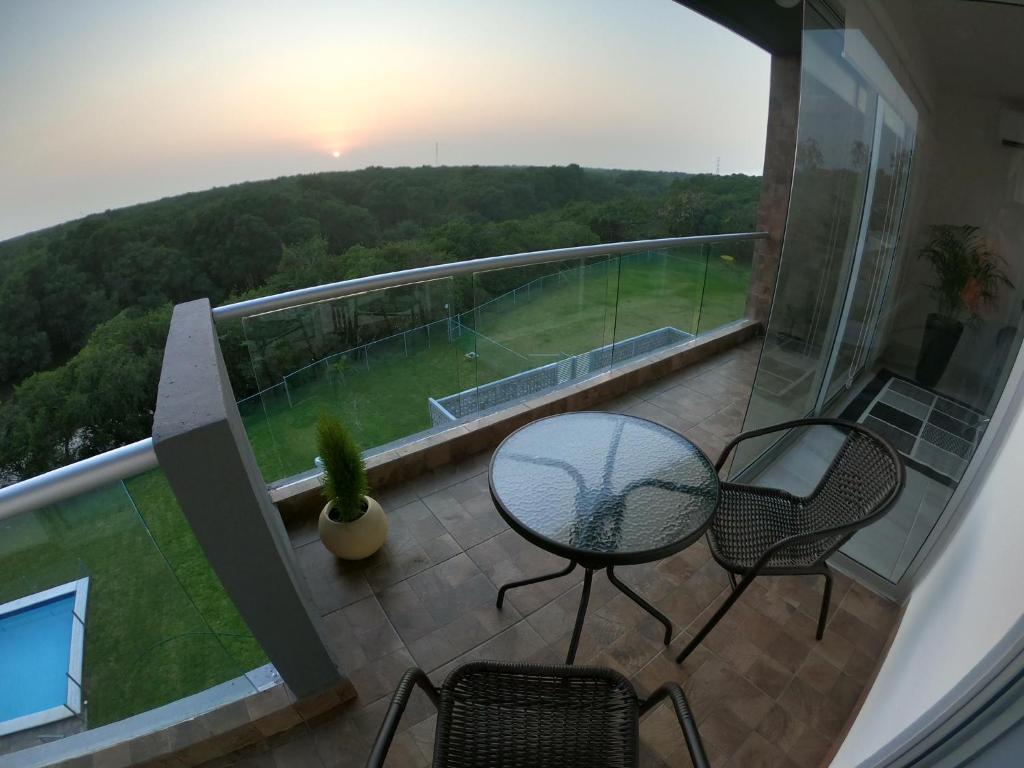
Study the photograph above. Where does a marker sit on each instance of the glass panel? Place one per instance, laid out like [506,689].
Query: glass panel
[725,287]
[890,170]
[917,331]
[659,300]
[834,136]
[535,328]
[126,623]
[375,361]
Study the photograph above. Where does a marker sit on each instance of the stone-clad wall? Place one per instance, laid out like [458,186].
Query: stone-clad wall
[777,181]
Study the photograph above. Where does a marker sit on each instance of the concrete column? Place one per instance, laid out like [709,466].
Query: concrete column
[776,183]
[206,456]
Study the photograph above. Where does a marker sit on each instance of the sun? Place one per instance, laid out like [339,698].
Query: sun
[335,153]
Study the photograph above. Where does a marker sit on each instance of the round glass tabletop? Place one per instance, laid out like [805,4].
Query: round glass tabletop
[604,488]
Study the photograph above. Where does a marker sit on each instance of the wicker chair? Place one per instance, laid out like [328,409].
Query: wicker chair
[765,531]
[500,715]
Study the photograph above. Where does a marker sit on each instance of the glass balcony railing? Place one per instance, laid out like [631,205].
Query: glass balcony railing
[108,608]
[406,360]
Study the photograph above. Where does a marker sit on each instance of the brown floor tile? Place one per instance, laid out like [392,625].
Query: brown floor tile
[810,749]
[860,634]
[763,690]
[727,422]
[465,509]
[781,729]
[687,404]
[872,609]
[819,672]
[380,677]
[800,700]
[646,409]
[768,675]
[709,442]
[333,583]
[757,752]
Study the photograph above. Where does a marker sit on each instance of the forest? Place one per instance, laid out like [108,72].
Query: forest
[84,306]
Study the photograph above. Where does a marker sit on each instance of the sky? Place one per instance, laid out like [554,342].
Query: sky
[107,103]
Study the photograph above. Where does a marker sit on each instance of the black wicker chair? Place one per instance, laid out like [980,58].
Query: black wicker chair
[768,532]
[500,715]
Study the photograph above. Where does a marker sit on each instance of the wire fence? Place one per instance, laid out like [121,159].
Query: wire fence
[502,374]
[536,380]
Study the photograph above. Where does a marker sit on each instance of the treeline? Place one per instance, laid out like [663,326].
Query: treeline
[84,306]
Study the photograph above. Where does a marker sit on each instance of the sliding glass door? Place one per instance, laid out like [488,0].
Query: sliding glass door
[900,298]
[888,162]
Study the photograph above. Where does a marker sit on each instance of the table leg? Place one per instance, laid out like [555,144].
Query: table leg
[642,603]
[588,577]
[536,579]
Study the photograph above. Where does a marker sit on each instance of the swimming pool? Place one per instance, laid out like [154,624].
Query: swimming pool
[41,640]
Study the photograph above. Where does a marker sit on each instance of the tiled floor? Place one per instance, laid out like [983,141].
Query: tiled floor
[764,692]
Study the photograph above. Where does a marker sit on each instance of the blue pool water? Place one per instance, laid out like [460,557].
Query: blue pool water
[35,648]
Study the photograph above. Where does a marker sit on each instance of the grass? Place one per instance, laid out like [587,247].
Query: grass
[586,309]
[159,625]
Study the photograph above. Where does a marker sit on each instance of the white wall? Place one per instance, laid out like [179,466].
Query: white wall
[961,616]
[964,177]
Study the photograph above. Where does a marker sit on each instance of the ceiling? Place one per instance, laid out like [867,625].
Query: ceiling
[763,22]
[974,46]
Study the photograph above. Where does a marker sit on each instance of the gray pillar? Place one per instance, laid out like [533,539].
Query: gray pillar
[776,183]
[206,456]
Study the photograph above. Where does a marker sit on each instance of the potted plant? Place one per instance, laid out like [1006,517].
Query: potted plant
[352,525]
[969,278]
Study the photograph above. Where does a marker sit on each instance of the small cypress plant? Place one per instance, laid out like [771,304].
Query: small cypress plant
[345,481]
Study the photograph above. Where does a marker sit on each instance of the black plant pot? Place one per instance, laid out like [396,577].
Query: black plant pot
[941,335]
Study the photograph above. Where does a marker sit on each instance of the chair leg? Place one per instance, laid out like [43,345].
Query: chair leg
[825,599]
[642,603]
[732,579]
[535,580]
[588,577]
[748,577]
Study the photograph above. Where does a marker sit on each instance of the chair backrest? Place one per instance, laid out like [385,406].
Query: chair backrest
[529,716]
[863,480]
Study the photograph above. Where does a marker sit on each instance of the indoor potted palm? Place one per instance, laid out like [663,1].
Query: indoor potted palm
[352,525]
[969,278]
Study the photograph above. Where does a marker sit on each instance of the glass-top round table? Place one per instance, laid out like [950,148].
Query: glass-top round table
[602,489]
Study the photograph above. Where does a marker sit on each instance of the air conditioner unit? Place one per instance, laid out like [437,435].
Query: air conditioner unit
[1011,128]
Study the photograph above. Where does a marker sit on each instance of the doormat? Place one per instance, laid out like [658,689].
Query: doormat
[935,435]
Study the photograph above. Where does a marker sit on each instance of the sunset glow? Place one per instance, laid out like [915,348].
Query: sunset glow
[168,97]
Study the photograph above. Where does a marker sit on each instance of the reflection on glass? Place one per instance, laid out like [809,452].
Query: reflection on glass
[660,294]
[144,638]
[405,361]
[867,326]
[836,126]
[725,287]
[535,328]
[373,360]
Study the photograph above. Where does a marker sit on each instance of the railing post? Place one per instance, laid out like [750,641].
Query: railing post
[206,456]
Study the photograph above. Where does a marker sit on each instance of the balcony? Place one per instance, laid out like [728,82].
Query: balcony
[764,691]
[430,369]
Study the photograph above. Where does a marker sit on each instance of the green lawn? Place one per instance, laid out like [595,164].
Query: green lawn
[158,624]
[582,310]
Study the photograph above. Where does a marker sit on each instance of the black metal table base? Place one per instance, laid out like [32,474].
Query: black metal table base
[588,578]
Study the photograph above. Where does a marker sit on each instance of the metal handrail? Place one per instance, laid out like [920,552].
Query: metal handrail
[337,290]
[85,475]
[135,458]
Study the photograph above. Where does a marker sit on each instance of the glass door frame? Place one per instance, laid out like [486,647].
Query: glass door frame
[874,309]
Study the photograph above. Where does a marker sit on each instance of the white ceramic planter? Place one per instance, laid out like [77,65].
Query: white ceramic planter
[358,539]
